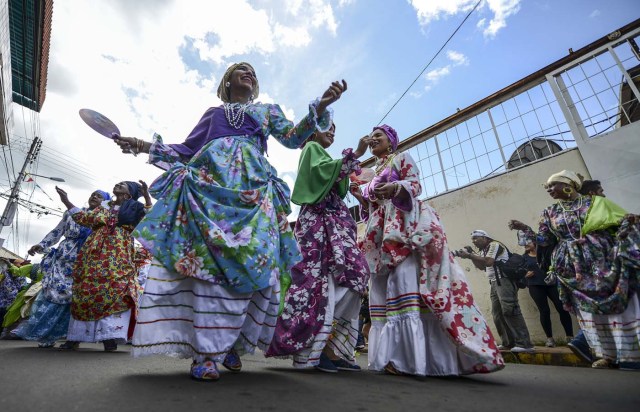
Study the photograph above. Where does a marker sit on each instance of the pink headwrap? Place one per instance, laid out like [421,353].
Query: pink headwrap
[391,134]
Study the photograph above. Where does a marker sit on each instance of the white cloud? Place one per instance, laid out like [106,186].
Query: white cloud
[431,10]
[433,77]
[457,58]
[502,9]
[595,13]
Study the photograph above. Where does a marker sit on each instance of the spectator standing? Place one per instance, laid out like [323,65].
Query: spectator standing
[505,307]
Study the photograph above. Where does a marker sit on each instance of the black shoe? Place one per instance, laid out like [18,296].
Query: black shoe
[69,345]
[110,345]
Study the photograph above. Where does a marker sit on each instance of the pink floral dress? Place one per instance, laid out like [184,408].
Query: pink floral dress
[424,319]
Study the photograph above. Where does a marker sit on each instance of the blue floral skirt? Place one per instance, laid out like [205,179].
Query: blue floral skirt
[48,321]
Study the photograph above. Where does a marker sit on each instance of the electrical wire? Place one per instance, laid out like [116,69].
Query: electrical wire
[431,61]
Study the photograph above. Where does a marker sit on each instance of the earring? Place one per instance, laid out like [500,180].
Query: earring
[227,84]
[389,149]
[567,190]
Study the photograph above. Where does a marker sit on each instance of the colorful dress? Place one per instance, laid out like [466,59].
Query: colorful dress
[49,320]
[597,276]
[424,319]
[14,293]
[105,288]
[323,302]
[10,285]
[219,236]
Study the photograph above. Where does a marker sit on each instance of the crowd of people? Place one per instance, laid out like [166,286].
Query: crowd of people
[224,273]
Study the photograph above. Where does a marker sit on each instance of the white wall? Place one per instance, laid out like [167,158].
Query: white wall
[489,205]
[614,159]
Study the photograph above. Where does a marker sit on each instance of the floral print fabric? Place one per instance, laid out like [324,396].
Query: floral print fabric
[326,233]
[104,277]
[596,272]
[394,234]
[221,216]
[57,264]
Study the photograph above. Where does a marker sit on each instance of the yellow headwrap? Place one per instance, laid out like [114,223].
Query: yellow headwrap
[566,176]
[223,90]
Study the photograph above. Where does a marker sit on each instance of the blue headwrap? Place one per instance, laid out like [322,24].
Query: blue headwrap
[134,189]
[131,211]
[105,195]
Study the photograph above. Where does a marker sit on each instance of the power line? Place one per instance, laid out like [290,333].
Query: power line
[431,61]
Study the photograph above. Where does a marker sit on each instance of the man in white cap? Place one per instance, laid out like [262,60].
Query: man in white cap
[505,308]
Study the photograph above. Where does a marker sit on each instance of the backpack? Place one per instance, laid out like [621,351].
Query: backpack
[514,268]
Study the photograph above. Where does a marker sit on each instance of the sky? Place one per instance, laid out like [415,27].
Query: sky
[153,66]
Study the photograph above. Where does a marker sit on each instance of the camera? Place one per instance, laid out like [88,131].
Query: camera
[467,249]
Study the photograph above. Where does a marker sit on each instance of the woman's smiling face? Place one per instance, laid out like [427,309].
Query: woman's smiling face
[380,143]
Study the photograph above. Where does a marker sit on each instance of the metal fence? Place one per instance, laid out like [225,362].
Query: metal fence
[581,97]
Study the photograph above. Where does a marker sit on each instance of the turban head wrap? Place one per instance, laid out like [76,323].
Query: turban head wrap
[566,176]
[391,134]
[134,189]
[105,195]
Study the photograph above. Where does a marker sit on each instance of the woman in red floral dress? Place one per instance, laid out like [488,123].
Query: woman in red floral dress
[424,319]
[105,287]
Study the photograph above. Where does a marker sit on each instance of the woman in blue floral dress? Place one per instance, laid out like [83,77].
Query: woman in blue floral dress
[219,232]
[319,323]
[50,313]
[597,270]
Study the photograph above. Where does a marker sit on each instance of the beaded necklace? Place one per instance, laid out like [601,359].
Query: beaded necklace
[577,212]
[234,112]
[384,163]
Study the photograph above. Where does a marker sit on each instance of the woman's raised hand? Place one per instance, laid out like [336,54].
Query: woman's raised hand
[517,225]
[125,143]
[63,195]
[35,249]
[331,95]
[363,144]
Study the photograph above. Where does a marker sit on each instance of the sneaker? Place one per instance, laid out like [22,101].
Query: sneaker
[520,349]
[504,347]
[46,345]
[343,365]
[580,351]
[550,343]
[232,361]
[205,371]
[326,365]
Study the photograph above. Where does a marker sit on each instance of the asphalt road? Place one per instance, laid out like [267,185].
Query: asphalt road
[33,379]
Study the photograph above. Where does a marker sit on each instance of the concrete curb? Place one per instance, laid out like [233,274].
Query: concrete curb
[558,356]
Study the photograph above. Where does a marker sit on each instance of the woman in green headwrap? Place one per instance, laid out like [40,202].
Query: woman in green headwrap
[318,325]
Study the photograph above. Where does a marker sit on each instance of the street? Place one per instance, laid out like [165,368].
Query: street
[89,379]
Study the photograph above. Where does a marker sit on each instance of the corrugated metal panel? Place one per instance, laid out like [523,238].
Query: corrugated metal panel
[30,22]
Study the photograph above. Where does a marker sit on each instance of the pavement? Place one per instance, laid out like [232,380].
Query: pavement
[89,379]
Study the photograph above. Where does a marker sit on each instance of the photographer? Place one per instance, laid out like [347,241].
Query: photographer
[505,308]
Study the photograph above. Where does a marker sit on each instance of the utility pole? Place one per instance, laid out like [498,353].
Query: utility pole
[12,203]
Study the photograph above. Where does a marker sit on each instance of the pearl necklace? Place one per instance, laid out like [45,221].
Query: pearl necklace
[577,212]
[234,112]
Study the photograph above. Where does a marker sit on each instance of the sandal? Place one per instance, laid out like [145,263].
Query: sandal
[69,345]
[205,371]
[232,361]
[391,369]
[604,364]
[110,345]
